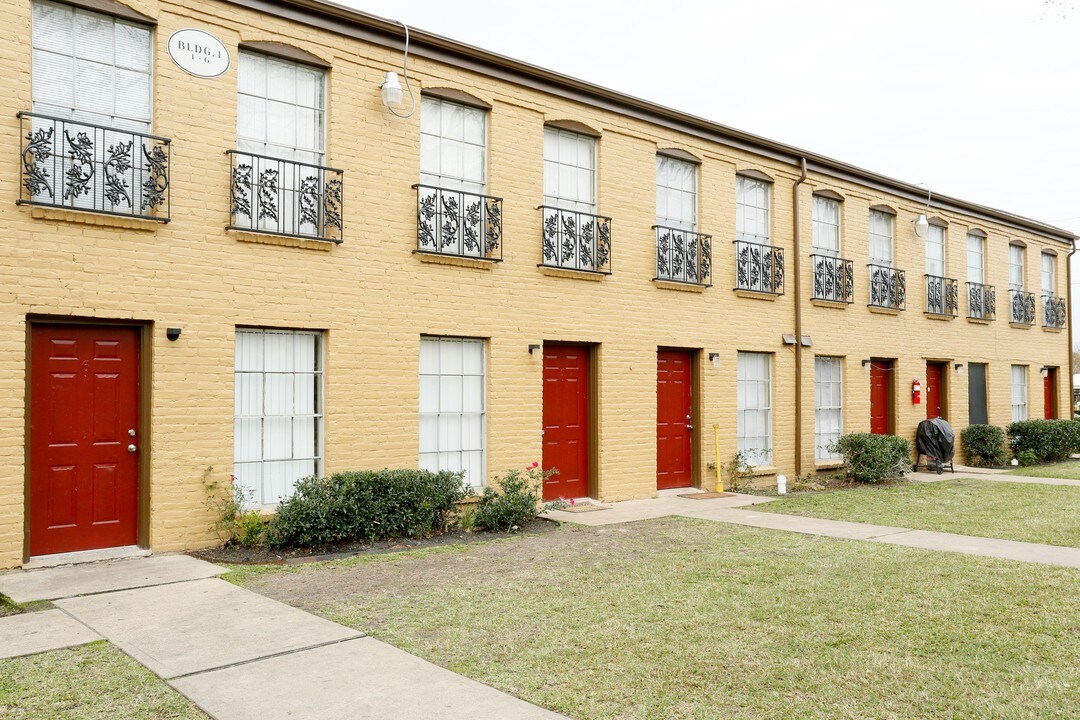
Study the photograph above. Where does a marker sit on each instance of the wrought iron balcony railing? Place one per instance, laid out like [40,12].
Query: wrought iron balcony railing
[1053,311]
[982,301]
[82,166]
[575,240]
[759,268]
[942,296]
[683,256]
[888,287]
[285,197]
[834,279]
[1021,307]
[458,223]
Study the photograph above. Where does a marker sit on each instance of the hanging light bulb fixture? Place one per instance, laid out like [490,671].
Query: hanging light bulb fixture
[921,223]
[392,93]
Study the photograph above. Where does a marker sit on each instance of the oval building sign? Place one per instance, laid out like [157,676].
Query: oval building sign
[198,52]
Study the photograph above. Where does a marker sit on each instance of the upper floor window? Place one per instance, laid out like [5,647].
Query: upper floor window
[935,251]
[826,224]
[676,193]
[1016,267]
[91,67]
[1049,274]
[281,108]
[881,238]
[569,170]
[453,145]
[751,210]
[976,259]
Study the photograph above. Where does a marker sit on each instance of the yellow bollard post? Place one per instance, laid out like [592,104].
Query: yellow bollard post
[716,445]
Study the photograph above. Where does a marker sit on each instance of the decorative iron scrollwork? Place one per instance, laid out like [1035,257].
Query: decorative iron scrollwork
[888,287]
[982,301]
[35,155]
[332,204]
[117,164]
[941,295]
[683,256]
[759,268]
[241,190]
[1021,307]
[834,279]
[455,222]
[157,179]
[81,170]
[1053,311]
[576,240]
[285,197]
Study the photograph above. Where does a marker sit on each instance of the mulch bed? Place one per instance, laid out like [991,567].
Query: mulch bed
[236,555]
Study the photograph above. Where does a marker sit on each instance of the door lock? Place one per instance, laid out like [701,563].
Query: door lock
[131,432]
[132,448]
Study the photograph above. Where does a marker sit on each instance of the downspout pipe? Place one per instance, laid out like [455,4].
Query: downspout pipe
[1069,319]
[797,268]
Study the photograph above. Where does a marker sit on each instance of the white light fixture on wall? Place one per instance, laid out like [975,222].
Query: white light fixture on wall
[922,225]
[392,94]
[714,358]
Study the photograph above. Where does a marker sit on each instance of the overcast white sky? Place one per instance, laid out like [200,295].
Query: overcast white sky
[978,99]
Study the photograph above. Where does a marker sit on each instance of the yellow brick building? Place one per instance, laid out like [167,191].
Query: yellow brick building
[265,209]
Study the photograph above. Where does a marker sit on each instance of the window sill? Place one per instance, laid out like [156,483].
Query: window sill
[980,321]
[838,304]
[763,470]
[1053,329]
[88,217]
[936,316]
[570,273]
[679,286]
[828,464]
[884,310]
[455,260]
[758,295]
[1021,326]
[282,240]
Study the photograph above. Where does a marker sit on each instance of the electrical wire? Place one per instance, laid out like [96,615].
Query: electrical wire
[405,74]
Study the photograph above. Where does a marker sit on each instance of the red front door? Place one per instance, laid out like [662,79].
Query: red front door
[880,405]
[566,420]
[934,377]
[1050,394]
[84,400]
[674,417]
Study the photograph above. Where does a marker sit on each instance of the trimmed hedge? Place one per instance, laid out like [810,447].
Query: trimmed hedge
[872,458]
[365,505]
[1038,441]
[984,445]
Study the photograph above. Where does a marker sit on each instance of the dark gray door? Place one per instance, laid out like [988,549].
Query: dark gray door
[977,394]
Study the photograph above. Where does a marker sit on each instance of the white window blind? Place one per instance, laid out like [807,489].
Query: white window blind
[976,259]
[755,407]
[569,170]
[1019,392]
[453,145]
[1016,267]
[751,210]
[1049,274]
[828,406]
[935,251]
[676,193]
[881,238]
[91,67]
[278,411]
[281,108]
[826,226]
[453,418]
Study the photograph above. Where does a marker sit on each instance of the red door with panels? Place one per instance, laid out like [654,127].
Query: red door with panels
[880,397]
[84,413]
[674,419]
[566,420]
[1050,394]
[935,374]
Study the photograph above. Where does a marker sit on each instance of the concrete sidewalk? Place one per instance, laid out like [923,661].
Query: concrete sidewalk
[991,474]
[236,654]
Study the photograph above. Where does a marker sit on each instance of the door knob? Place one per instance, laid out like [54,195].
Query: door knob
[131,432]
[132,448]
[689,426]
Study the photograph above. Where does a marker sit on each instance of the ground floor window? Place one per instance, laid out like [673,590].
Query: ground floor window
[453,416]
[278,411]
[755,408]
[828,406]
[1019,392]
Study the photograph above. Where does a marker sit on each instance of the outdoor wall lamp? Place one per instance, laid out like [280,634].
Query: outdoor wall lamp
[1044,371]
[959,368]
[172,333]
[392,94]
[866,364]
[921,223]
[714,358]
[533,349]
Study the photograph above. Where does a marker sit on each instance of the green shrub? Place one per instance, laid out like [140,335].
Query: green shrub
[984,445]
[365,505]
[235,522]
[873,458]
[1045,440]
[517,500]
[1027,458]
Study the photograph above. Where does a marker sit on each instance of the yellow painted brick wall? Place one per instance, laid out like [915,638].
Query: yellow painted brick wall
[375,298]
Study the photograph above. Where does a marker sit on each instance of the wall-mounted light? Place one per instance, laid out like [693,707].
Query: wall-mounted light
[533,349]
[1044,371]
[714,358]
[866,364]
[392,94]
[921,223]
[172,333]
[959,368]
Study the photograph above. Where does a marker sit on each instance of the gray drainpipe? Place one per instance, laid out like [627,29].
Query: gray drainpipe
[797,268]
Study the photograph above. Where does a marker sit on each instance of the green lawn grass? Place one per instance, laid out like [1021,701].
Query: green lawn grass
[676,618]
[986,508]
[90,682]
[1070,470]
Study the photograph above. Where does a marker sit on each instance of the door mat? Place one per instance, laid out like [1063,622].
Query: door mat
[706,495]
[583,507]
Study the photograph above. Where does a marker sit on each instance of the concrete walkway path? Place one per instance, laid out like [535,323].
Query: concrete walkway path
[237,654]
[993,475]
[736,510]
